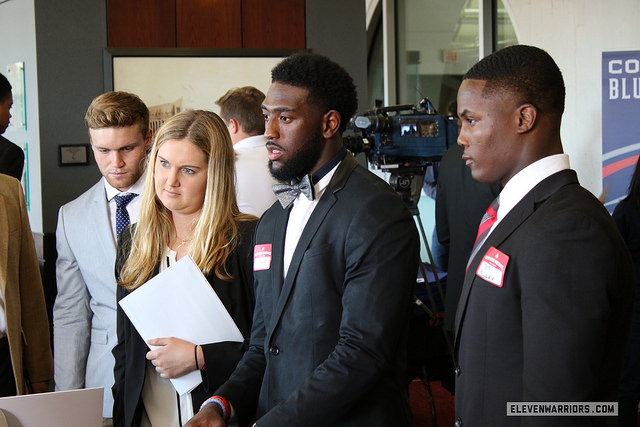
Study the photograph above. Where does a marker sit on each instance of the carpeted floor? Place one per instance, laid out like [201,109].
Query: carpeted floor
[421,407]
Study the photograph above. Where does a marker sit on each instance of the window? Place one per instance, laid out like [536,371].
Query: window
[435,43]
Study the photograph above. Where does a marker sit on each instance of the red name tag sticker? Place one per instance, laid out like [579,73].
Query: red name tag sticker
[493,266]
[262,257]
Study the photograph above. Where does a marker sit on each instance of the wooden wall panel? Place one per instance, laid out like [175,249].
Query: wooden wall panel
[141,23]
[269,24]
[225,24]
[209,24]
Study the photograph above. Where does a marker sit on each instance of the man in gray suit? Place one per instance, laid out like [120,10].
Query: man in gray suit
[84,313]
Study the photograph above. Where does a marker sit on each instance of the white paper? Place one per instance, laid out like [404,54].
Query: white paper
[179,302]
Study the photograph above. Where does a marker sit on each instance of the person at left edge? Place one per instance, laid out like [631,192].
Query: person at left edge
[11,156]
[25,348]
[188,208]
[84,312]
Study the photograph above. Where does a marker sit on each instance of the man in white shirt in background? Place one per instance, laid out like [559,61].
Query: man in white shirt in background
[241,110]
[84,313]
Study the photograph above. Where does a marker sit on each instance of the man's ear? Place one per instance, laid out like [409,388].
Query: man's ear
[330,124]
[148,140]
[527,115]
[233,126]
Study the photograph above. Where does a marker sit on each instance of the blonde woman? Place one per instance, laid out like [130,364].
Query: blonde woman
[188,208]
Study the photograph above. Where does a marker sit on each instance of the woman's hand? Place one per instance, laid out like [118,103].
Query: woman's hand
[174,358]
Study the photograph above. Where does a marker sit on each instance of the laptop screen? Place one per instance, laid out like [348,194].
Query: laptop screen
[81,407]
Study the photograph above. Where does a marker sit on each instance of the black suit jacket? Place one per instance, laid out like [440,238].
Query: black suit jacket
[557,328]
[219,358]
[11,158]
[328,343]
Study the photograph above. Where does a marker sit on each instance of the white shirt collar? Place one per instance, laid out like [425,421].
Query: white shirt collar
[135,188]
[251,141]
[524,181]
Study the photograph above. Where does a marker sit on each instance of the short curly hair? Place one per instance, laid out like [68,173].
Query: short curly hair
[526,71]
[330,86]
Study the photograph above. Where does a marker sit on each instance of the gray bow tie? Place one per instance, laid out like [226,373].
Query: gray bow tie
[287,193]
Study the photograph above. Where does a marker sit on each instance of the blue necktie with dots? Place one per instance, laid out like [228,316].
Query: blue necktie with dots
[122,216]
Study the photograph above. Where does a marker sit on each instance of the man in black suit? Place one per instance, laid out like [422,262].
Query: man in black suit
[11,156]
[334,272]
[545,306]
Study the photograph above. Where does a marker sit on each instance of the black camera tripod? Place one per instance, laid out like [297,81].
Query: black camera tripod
[407,182]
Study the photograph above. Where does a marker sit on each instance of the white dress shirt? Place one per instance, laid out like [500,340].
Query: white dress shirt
[160,407]
[133,208]
[524,181]
[300,213]
[519,185]
[253,179]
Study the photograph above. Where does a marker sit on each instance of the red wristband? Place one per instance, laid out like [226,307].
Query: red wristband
[222,404]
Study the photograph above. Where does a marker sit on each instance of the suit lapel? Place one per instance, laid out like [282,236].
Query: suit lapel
[316,219]
[505,228]
[279,231]
[101,221]
[310,229]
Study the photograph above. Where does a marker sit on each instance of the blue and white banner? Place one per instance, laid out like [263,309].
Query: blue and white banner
[620,122]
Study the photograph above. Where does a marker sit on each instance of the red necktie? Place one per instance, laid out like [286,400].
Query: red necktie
[488,219]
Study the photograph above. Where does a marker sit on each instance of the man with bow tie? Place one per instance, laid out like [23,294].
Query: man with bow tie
[335,264]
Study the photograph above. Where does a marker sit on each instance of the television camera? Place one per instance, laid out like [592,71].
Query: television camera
[402,140]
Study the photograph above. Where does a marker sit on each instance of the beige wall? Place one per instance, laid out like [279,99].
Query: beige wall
[18,44]
[575,33]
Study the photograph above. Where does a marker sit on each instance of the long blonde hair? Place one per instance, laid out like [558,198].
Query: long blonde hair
[215,230]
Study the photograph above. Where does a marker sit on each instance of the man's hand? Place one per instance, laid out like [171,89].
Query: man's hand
[174,358]
[209,416]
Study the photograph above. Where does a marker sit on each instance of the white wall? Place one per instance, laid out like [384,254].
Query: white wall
[18,44]
[575,33]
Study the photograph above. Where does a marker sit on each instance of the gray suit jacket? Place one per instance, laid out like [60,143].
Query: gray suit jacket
[84,313]
[328,343]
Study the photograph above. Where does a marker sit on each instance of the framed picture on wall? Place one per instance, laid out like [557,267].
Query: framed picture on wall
[73,155]
[172,80]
